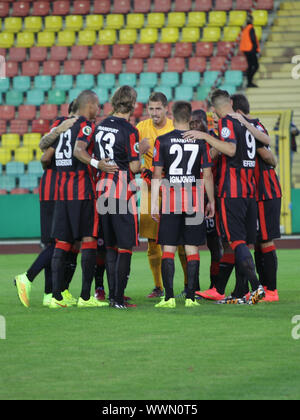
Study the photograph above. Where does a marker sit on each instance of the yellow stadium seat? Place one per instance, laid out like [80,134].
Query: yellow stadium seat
[127,36]
[38,154]
[25,39]
[258,31]
[155,20]
[5,156]
[7,39]
[176,19]
[231,33]
[31,140]
[169,35]
[23,154]
[86,37]
[107,37]
[135,21]
[66,38]
[190,34]
[53,23]
[33,24]
[10,141]
[211,34]
[114,21]
[217,18]
[13,24]
[45,39]
[148,36]
[94,22]
[260,17]
[73,23]
[237,18]
[196,19]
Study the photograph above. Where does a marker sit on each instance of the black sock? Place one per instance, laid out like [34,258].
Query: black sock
[48,280]
[270,267]
[193,266]
[110,266]
[168,271]
[57,267]
[245,265]
[70,268]
[88,261]
[226,267]
[241,285]
[259,262]
[122,271]
[43,260]
[99,273]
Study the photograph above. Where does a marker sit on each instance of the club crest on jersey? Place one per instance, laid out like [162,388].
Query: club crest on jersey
[136,148]
[225,133]
[259,127]
[87,130]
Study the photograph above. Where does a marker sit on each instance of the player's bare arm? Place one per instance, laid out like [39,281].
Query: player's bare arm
[209,188]
[144,146]
[213,153]
[155,188]
[80,152]
[135,166]
[259,135]
[268,156]
[48,139]
[47,157]
[226,148]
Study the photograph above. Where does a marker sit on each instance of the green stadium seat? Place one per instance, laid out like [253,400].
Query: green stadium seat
[229,88]
[7,182]
[148,79]
[1,99]
[106,79]
[85,81]
[4,84]
[28,181]
[73,93]
[233,78]
[210,77]
[127,79]
[35,168]
[166,90]
[102,94]
[56,97]
[191,78]
[35,97]
[0,169]
[143,93]
[169,79]
[184,93]
[64,82]
[21,83]
[13,97]
[15,168]
[43,83]
[202,93]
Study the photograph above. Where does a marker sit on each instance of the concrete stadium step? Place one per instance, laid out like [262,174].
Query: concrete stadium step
[273,67]
[290,27]
[281,52]
[290,5]
[273,75]
[276,90]
[271,105]
[275,60]
[288,13]
[288,82]
[286,21]
[283,36]
[287,44]
[284,98]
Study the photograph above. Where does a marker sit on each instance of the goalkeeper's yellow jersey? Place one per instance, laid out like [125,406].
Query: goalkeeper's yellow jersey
[147,130]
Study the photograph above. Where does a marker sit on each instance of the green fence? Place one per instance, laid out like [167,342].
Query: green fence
[296,210]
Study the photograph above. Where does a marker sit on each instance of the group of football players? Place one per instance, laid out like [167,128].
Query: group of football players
[205,181]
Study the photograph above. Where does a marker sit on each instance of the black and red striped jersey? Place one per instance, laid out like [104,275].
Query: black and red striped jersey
[75,179]
[182,161]
[118,140]
[48,183]
[237,173]
[267,182]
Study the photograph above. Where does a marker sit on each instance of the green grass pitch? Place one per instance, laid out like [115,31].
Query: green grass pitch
[210,352]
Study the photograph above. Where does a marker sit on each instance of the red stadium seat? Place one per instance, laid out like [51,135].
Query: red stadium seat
[224,48]
[264,5]
[7,112]
[40,126]
[183,5]
[79,52]
[141,51]
[30,68]
[19,126]
[27,112]
[17,54]
[156,65]
[223,5]
[12,68]
[113,66]
[64,108]
[121,51]
[58,53]
[142,6]
[48,111]
[122,6]
[135,65]
[204,49]
[72,67]
[244,4]
[20,8]
[51,68]
[4,9]
[217,63]
[3,127]
[38,54]
[92,67]
[197,64]
[138,110]
[81,7]
[102,7]
[183,49]
[239,63]
[162,50]
[40,8]
[21,191]
[3,192]
[162,6]
[198,105]
[176,64]
[3,52]
[203,5]
[100,52]
[61,8]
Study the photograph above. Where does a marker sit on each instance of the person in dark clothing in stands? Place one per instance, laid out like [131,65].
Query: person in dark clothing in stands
[249,45]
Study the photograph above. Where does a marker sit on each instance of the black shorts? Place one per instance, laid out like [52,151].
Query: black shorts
[174,231]
[238,219]
[46,219]
[119,230]
[211,227]
[74,220]
[269,220]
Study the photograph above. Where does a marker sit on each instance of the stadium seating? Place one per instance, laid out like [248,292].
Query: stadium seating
[7,182]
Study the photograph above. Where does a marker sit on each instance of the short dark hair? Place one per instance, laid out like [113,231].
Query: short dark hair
[158,97]
[219,95]
[240,102]
[201,114]
[182,111]
[73,108]
[85,97]
[124,99]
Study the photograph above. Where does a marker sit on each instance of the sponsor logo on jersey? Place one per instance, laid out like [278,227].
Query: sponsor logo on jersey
[225,133]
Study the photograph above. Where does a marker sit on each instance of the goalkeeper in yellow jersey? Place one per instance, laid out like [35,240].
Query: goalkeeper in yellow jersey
[157,125]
